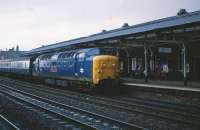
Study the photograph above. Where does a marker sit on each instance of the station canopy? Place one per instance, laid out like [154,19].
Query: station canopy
[185,26]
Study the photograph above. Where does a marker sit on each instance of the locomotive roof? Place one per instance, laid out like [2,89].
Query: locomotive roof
[55,55]
[16,59]
[179,20]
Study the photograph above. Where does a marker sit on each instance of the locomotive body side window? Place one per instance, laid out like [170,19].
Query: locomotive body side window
[81,56]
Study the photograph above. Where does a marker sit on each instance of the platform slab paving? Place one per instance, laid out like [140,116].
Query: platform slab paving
[176,85]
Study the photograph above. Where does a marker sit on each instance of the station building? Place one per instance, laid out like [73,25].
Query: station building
[165,49]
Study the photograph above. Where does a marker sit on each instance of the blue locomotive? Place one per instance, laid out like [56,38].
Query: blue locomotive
[87,68]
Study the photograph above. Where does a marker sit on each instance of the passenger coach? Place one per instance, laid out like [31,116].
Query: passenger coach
[16,66]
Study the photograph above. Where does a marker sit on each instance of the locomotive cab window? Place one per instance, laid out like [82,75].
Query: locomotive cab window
[108,51]
[93,52]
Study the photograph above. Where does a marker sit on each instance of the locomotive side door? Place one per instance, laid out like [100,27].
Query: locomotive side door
[80,58]
[35,68]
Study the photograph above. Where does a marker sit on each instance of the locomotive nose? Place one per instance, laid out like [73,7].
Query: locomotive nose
[105,67]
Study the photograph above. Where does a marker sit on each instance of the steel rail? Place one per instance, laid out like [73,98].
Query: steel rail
[11,125]
[149,106]
[59,107]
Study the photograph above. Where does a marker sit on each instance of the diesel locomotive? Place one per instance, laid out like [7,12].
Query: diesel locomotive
[84,68]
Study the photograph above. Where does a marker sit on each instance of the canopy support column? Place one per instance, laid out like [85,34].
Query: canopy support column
[146,64]
[184,64]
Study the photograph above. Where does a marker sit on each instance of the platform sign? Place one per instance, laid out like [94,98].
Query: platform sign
[165,68]
[164,50]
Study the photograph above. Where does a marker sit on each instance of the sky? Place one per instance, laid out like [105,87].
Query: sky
[33,23]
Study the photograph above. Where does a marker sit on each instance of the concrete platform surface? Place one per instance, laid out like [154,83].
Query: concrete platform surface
[173,85]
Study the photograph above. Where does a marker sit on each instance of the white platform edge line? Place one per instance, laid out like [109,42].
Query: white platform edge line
[162,87]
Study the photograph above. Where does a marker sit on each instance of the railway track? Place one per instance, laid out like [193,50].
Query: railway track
[5,124]
[184,108]
[154,108]
[86,118]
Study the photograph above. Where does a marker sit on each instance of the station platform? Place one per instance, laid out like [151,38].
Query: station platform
[170,85]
